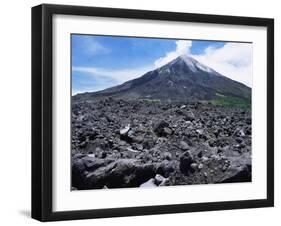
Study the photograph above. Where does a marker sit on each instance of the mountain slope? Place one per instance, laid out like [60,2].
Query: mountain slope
[183,79]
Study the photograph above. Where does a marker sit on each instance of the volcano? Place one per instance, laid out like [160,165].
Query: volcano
[182,79]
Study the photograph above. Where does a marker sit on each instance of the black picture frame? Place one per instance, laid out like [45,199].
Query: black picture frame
[42,111]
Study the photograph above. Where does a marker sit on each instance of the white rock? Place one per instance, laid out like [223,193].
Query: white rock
[148,184]
[132,150]
[194,166]
[159,178]
[242,134]
[125,130]
[200,166]
[204,158]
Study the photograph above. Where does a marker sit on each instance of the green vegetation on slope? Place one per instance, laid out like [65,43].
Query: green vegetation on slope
[154,101]
[229,101]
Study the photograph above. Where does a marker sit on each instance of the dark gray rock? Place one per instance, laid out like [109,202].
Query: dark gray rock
[92,163]
[166,167]
[162,128]
[103,154]
[237,169]
[78,173]
[117,174]
[186,160]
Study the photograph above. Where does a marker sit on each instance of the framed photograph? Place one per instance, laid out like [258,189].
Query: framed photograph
[145,112]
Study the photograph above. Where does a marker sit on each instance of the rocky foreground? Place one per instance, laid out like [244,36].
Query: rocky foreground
[117,143]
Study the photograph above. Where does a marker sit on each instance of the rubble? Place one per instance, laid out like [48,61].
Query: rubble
[118,143]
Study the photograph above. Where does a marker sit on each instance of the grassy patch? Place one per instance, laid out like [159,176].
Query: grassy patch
[151,101]
[235,102]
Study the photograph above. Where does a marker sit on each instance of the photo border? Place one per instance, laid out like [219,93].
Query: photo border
[125,36]
[42,94]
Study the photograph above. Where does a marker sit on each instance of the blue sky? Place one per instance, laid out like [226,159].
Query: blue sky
[99,62]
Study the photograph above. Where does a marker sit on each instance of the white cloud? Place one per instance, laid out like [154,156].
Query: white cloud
[89,89]
[116,77]
[119,76]
[76,91]
[233,60]
[182,47]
